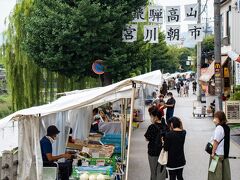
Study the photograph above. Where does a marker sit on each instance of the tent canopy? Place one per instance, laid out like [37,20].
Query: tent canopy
[85,97]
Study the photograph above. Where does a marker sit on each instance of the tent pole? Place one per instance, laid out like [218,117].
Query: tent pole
[125,127]
[130,126]
[122,129]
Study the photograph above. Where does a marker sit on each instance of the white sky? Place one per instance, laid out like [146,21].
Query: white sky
[7,5]
[5,8]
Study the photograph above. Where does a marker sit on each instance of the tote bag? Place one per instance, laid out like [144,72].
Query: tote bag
[163,157]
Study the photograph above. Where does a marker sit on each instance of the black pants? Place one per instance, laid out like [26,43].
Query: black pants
[176,174]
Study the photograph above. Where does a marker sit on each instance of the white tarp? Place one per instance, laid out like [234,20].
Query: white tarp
[85,98]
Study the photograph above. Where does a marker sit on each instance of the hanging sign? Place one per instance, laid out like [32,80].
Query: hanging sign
[173,14]
[139,15]
[129,33]
[151,33]
[191,12]
[155,14]
[172,33]
[195,32]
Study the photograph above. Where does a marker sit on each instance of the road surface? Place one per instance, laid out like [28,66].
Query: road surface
[199,132]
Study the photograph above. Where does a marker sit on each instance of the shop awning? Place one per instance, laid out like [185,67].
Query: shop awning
[205,77]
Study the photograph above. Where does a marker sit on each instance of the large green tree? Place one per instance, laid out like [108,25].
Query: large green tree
[67,36]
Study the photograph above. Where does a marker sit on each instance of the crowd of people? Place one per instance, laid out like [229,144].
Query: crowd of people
[166,133]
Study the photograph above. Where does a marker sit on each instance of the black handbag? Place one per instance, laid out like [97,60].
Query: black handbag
[209,147]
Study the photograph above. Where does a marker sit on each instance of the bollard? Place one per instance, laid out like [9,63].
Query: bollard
[7,165]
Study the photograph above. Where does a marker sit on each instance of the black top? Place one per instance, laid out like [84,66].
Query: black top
[154,134]
[174,144]
[226,140]
[171,101]
[194,84]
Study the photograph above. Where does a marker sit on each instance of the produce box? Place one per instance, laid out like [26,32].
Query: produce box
[103,162]
[114,139]
[107,170]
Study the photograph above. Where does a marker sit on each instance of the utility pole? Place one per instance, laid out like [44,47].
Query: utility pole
[199,54]
[217,55]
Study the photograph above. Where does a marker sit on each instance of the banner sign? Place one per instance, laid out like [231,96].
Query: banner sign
[151,33]
[191,12]
[195,32]
[155,14]
[173,14]
[129,33]
[139,15]
[172,33]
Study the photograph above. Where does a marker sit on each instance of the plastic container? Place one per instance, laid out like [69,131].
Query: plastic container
[107,170]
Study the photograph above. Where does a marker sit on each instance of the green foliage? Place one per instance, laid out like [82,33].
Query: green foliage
[208,47]
[68,38]
[5,105]
[208,44]
[183,57]
[236,95]
[28,84]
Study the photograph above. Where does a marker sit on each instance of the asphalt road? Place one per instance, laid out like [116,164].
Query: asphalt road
[199,132]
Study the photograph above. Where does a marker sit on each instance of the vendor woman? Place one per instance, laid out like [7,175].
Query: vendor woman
[46,142]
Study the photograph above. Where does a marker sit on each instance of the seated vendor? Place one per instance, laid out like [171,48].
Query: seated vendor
[104,116]
[46,142]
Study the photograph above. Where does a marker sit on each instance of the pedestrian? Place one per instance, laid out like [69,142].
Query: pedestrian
[170,105]
[161,105]
[194,86]
[221,146]
[186,88]
[181,89]
[154,134]
[174,145]
[164,88]
[178,86]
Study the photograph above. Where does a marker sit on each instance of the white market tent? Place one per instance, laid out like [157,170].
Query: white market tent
[33,121]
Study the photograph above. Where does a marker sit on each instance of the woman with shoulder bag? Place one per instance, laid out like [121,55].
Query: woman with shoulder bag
[154,135]
[174,145]
[221,146]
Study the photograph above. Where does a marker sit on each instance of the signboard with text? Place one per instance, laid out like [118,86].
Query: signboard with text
[232,110]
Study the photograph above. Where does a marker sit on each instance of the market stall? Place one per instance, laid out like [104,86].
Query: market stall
[74,110]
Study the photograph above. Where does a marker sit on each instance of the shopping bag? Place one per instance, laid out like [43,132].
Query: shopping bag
[163,157]
[213,164]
